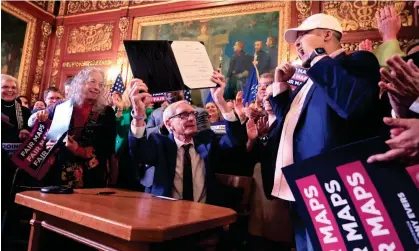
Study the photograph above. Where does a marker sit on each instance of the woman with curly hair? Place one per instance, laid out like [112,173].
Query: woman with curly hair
[83,161]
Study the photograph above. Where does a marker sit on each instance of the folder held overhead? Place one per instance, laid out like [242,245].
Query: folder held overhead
[167,66]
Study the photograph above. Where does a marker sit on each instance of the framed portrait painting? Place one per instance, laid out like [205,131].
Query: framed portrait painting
[237,38]
[17,37]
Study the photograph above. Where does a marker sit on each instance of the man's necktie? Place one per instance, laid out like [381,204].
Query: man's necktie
[187,174]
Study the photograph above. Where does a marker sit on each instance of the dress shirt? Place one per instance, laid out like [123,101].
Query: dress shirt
[285,156]
[198,173]
[415,106]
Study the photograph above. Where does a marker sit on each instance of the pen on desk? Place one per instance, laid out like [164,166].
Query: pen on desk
[164,197]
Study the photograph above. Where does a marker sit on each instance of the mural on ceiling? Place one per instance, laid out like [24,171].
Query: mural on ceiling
[12,39]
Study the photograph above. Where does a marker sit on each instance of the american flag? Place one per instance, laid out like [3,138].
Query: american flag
[187,95]
[118,85]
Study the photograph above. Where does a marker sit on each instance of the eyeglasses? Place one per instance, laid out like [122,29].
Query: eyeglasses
[185,115]
[9,87]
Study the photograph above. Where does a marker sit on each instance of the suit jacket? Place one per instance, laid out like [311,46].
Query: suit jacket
[341,107]
[161,152]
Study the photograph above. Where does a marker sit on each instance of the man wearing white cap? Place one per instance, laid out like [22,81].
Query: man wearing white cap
[337,105]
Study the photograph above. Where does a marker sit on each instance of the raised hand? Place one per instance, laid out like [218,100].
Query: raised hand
[42,115]
[401,83]
[366,45]
[238,106]
[284,72]
[252,131]
[388,23]
[218,92]
[117,101]
[139,97]
[263,126]
[404,142]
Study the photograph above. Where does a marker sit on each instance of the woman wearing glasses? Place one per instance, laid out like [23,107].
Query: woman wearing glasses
[91,136]
[14,115]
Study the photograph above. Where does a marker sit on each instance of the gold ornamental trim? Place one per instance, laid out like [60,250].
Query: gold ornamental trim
[284,9]
[62,8]
[50,8]
[41,9]
[28,44]
[131,5]
[40,62]
[354,46]
[75,7]
[101,62]
[90,38]
[122,59]
[360,15]
[304,10]
[56,59]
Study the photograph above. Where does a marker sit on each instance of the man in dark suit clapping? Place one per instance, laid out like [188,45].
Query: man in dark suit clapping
[185,162]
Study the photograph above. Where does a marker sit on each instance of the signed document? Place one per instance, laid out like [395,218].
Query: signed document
[167,66]
[194,64]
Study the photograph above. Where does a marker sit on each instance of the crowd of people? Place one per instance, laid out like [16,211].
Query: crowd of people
[176,149]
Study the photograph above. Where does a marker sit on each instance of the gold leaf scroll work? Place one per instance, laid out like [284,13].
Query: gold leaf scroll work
[90,38]
[360,15]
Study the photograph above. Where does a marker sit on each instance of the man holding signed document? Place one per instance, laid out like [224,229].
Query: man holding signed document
[336,106]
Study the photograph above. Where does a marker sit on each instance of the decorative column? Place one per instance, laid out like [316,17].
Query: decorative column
[56,60]
[40,62]
[122,60]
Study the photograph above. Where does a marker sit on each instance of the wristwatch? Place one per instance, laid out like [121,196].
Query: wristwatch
[314,54]
[264,139]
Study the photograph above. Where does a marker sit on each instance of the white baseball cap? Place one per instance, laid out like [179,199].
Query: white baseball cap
[316,21]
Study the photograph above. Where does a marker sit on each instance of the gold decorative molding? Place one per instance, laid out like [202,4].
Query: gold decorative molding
[360,14]
[42,4]
[46,32]
[122,60]
[25,62]
[101,62]
[62,8]
[284,8]
[143,2]
[304,10]
[50,8]
[75,7]
[354,46]
[90,38]
[56,59]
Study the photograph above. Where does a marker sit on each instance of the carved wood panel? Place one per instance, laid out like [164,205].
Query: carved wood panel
[90,38]
[47,5]
[360,15]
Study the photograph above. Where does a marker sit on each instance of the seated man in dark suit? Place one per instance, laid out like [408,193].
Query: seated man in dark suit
[337,105]
[186,161]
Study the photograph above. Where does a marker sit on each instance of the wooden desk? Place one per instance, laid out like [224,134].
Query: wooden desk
[122,221]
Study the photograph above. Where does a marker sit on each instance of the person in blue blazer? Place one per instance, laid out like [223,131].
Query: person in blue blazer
[185,161]
[337,105]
